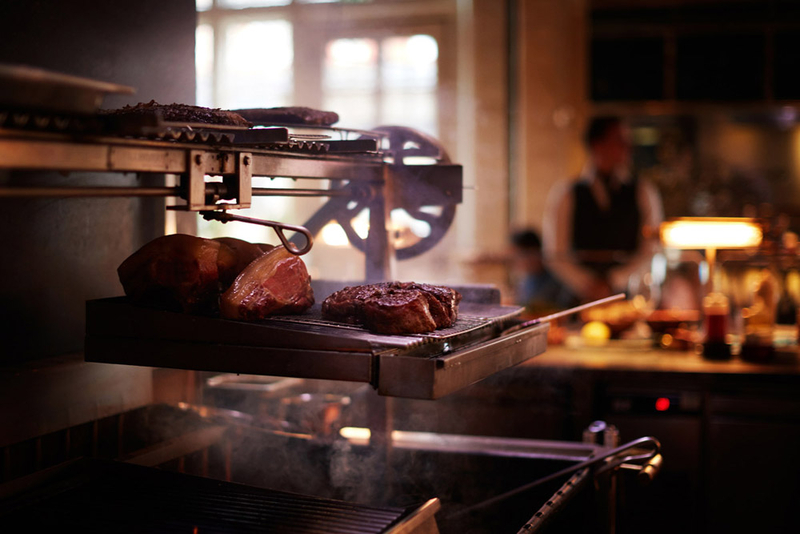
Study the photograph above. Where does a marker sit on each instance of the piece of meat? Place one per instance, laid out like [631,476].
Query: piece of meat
[235,255]
[394,307]
[175,272]
[290,115]
[183,113]
[399,311]
[275,283]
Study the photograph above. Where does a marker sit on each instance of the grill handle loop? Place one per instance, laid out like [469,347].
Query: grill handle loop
[225,217]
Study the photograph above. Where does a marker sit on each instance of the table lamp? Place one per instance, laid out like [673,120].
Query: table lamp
[711,234]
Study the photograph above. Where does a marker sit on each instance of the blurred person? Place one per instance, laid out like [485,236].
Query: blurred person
[593,232]
[535,288]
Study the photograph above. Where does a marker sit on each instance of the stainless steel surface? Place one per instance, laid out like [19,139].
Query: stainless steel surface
[432,378]
[225,217]
[33,88]
[416,366]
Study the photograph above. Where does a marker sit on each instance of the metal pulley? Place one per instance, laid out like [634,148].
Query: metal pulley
[427,193]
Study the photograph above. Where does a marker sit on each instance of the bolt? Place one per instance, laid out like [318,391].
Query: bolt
[246,161]
[198,159]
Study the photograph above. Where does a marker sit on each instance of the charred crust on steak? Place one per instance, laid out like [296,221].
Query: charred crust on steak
[178,113]
[394,307]
[290,115]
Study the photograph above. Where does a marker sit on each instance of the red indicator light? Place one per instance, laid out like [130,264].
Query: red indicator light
[662,404]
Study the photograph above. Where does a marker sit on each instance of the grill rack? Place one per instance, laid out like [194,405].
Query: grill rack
[94,495]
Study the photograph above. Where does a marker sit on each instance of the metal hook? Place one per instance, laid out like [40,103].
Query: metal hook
[224,217]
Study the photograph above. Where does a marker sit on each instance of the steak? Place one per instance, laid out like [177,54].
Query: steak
[290,115]
[394,307]
[178,113]
[277,282]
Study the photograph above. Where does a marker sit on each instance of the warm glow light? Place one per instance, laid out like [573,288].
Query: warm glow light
[333,235]
[703,233]
[355,433]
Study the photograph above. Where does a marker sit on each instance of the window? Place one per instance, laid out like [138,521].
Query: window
[370,66]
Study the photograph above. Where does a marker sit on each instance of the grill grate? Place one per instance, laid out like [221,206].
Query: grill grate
[115,497]
[470,318]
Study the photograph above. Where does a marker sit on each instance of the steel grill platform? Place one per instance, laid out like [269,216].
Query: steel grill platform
[105,496]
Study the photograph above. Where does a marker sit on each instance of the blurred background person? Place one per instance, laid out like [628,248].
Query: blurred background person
[535,287]
[601,227]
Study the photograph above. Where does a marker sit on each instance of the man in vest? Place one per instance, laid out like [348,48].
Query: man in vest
[602,227]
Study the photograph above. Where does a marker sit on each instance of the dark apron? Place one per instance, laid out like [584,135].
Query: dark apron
[604,239]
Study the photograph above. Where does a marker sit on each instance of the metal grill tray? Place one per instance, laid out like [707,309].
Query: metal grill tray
[105,496]
[425,366]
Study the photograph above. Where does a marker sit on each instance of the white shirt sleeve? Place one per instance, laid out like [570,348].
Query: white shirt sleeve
[651,214]
[557,241]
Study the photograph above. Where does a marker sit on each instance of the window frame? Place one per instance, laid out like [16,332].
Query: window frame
[314,25]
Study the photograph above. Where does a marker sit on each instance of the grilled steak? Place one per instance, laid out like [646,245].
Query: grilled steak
[178,113]
[290,115]
[394,307]
[275,283]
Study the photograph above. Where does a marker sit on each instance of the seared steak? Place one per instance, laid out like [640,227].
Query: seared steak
[290,115]
[394,307]
[275,283]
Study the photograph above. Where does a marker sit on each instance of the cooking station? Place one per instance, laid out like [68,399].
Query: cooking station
[486,484]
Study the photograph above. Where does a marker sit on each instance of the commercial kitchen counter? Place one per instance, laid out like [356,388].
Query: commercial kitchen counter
[624,358]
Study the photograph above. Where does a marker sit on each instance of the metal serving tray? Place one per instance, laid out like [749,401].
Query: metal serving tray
[425,366]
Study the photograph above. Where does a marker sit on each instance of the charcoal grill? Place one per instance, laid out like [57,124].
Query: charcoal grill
[108,496]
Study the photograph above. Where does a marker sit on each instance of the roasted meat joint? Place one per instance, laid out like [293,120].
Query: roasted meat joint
[400,267]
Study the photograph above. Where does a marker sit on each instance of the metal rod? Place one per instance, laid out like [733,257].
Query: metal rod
[576,309]
[72,192]
[269,192]
[564,313]
[103,191]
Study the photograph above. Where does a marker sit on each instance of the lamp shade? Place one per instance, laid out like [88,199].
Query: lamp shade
[710,232]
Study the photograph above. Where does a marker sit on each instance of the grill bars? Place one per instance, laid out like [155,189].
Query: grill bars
[114,497]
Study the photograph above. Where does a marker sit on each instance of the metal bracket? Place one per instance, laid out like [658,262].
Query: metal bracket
[206,196]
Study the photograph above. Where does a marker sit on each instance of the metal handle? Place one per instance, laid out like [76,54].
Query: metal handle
[649,470]
[564,313]
[224,217]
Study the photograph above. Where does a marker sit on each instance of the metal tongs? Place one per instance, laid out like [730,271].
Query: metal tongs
[225,217]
